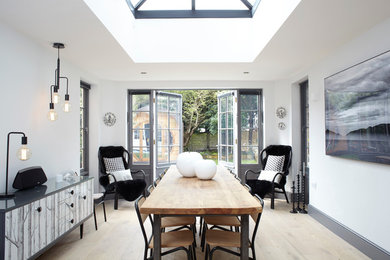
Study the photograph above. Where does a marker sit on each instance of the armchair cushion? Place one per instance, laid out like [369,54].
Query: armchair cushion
[113,164]
[274,163]
[269,176]
[260,187]
[131,189]
[121,175]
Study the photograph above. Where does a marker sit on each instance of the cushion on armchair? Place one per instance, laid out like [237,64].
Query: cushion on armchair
[274,163]
[121,175]
[269,176]
[113,164]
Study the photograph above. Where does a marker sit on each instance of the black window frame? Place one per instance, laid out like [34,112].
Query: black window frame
[84,111]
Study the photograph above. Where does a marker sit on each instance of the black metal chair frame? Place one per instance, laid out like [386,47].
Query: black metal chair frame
[281,185]
[97,202]
[111,188]
[191,254]
[251,242]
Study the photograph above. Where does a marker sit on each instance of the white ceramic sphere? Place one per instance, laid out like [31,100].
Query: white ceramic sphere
[205,169]
[185,163]
[196,156]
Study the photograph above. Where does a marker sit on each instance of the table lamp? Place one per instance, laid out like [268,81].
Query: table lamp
[23,155]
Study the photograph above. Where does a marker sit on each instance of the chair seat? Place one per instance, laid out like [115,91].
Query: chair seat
[175,239]
[223,238]
[222,221]
[177,221]
[97,196]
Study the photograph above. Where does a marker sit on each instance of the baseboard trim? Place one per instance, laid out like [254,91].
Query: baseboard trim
[362,244]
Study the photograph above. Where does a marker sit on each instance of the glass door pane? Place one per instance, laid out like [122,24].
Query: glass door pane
[226,144]
[169,129]
[140,134]
[250,130]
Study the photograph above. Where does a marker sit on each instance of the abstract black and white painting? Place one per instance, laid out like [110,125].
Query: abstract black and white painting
[357,111]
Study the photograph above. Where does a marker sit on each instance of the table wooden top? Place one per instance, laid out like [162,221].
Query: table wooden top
[177,195]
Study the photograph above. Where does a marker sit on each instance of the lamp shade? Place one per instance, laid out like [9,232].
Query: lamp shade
[56,98]
[66,106]
[52,115]
[23,153]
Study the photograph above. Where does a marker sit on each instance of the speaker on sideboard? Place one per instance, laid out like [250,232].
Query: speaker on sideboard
[29,177]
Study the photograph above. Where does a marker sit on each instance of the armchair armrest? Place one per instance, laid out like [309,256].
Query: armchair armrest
[249,171]
[141,172]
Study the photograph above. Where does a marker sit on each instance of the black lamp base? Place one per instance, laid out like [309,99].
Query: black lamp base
[4,196]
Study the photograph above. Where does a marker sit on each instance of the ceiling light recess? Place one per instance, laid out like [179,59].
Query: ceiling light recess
[160,11]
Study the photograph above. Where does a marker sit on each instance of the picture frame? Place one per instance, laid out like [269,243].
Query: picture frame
[357,111]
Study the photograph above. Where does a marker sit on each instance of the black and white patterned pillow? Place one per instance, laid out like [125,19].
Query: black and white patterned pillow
[114,164]
[274,163]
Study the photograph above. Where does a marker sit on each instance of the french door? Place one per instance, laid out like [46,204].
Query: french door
[227,132]
[240,130]
[250,130]
[169,129]
[155,131]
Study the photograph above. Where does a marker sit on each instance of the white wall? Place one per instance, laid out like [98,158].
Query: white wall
[26,72]
[351,192]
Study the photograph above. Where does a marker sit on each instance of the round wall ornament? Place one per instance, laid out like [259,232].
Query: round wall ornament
[281,125]
[109,119]
[281,112]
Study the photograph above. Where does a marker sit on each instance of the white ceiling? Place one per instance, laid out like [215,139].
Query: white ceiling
[313,30]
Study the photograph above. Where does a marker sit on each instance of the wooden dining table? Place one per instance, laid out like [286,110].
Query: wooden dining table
[176,195]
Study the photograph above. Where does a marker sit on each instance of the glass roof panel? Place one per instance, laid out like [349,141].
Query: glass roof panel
[220,5]
[252,2]
[134,2]
[166,5]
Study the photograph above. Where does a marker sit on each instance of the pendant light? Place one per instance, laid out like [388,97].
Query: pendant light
[54,89]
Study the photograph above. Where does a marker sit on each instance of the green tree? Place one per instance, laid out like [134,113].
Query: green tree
[199,108]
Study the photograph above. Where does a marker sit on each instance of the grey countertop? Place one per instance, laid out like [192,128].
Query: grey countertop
[23,197]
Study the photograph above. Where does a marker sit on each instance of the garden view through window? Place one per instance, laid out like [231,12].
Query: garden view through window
[210,122]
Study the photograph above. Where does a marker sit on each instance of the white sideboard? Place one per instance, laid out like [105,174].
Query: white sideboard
[37,218]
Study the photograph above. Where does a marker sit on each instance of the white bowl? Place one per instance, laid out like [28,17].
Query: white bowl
[205,169]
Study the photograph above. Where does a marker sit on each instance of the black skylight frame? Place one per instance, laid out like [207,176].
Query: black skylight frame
[193,13]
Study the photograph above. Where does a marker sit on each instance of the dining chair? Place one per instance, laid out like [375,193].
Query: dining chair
[177,223]
[222,240]
[178,240]
[220,221]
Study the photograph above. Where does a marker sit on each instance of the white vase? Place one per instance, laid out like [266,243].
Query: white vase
[205,169]
[185,163]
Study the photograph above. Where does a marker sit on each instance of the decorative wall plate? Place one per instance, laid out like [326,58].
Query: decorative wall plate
[281,125]
[109,119]
[281,112]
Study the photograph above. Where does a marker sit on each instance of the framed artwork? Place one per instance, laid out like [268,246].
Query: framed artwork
[357,111]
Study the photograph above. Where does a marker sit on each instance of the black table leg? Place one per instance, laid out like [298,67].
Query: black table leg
[244,237]
[157,237]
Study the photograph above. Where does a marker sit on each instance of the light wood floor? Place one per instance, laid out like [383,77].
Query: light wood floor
[281,236]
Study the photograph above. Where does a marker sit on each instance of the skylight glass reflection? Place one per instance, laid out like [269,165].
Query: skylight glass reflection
[166,5]
[220,5]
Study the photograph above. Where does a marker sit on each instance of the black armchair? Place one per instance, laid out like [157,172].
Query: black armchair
[263,187]
[130,190]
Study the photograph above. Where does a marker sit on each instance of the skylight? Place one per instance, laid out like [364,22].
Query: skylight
[157,9]
[192,40]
